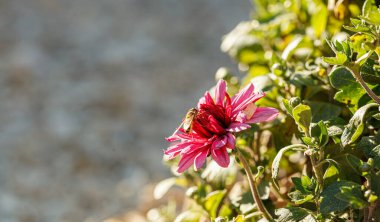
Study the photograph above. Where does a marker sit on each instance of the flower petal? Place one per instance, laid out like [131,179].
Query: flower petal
[237,127]
[200,159]
[214,125]
[220,91]
[242,95]
[206,99]
[176,149]
[247,101]
[263,114]
[185,162]
[230,141]
[221,156]
[219,142]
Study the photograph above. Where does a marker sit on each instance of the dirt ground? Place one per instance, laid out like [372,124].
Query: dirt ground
[89,89]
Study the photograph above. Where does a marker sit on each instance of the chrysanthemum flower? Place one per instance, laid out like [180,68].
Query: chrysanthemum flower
[214,124]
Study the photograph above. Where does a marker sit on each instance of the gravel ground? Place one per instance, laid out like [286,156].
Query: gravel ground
[89,89]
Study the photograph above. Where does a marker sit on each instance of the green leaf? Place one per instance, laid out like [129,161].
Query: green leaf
[239,218]
[352,195]
[299,198]
[340,59]
[213,200]
[371,148]
[356,125]
[331,175]
[375,182]
[370,12]
[319,20]
[330,203]
[354,163]
[349,90]
[303,184]
[369,74]
[294,214]
[291,47]
[320,132]
[323,110]
[335,126]
[287,106]
[276,161]
[302,116]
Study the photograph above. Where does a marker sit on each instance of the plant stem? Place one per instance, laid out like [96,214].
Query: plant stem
[317,171]
[253,186]
[356,73]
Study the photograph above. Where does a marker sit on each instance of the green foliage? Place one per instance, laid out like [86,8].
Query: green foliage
[340,195]
[294,214]
[318,63]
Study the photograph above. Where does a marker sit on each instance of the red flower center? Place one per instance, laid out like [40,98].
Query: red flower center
[211,119]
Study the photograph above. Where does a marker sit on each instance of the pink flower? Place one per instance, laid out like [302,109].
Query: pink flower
[214,124]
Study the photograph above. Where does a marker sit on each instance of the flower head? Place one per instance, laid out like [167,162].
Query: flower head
[214,124]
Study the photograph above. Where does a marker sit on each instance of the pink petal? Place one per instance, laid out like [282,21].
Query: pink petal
[200,159]
[185,162]
[219,142]
[241,117]
[206,99]
[221,156]
[263,114]
[230,141]
[176,147]
[220,91]
[248,100]
[237,127]
[242,95]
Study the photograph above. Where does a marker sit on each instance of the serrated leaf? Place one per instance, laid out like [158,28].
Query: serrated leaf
[356,125]
[302,116]
[294,214]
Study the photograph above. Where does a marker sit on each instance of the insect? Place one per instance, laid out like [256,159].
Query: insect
[188,122]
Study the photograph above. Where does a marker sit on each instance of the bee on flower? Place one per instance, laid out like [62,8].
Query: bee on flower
[207,130]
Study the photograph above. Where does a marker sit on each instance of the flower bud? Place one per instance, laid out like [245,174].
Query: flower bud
[365,167]
[294,101]
[370,162]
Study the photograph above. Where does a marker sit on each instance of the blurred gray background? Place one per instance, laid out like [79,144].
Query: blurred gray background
[89,89]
